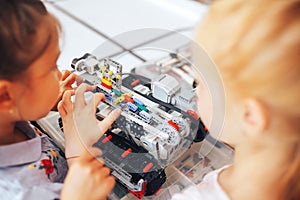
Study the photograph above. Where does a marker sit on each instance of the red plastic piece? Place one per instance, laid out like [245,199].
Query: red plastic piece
[106,139]
[106,86]
[126,153]
[193,114]
[141,193]
[135,82]
[173,125]
[148,167]
[128,99]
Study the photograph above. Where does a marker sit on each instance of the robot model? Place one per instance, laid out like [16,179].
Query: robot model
[158,122]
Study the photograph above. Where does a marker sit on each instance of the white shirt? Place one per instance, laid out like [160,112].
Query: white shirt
[208,189]
[32,169]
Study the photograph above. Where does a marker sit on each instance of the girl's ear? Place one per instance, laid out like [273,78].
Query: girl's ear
[255,117]
[6,100]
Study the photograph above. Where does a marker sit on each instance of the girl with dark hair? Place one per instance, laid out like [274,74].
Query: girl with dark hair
[31,166]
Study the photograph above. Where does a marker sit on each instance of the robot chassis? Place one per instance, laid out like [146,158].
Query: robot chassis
[156,125]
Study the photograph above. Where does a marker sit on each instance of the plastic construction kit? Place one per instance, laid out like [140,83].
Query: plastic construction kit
[158,122]
[157,125]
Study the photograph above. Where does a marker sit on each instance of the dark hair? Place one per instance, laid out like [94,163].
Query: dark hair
[19,24]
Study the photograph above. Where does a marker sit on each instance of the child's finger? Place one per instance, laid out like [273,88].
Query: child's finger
[107,121]
[106,186]
[66,100]
[97,98]
[61,109]
[99,159]
[65,74]
[103,172]
[69,80]
[97,165]
[79,94]
[97,153]
[79,80]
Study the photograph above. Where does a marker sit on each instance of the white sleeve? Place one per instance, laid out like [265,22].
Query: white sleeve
[208,189]
[190,193]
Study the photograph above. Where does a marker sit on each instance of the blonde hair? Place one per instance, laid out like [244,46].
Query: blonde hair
[256,46]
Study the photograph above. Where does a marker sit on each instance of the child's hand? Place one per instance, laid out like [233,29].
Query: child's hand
[81,127]
[67,80]
[87,178]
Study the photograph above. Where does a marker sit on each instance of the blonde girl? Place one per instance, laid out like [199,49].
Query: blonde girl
[256,47]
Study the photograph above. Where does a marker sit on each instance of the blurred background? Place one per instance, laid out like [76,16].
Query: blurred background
[90,23]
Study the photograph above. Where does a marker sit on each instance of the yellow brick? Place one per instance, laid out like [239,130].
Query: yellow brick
[106,82]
